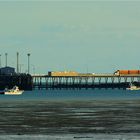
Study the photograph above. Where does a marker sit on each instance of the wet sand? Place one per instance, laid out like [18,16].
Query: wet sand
[71,137]
[69,117]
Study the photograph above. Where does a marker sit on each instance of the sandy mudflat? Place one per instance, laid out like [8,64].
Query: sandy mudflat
[72,137]
[47,118]
[83,120]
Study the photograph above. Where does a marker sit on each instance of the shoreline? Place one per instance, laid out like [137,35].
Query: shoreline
[129,136]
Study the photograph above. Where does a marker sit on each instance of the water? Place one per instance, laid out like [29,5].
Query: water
[71,114]
[96,94]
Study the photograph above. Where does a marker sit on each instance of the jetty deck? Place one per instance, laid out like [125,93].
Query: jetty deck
[85,81]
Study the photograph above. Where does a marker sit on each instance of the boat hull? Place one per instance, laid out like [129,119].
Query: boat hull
[132,89]
[1,92]
[13,93]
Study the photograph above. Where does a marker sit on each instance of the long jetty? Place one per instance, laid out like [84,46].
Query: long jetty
[85,81]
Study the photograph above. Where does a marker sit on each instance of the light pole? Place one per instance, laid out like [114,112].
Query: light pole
[28,62]
[6,59]
[0,60]
[17,62]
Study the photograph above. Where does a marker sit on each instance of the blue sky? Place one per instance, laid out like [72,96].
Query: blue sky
[83,36]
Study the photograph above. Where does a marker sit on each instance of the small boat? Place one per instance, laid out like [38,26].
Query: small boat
[133,87]
[14,91]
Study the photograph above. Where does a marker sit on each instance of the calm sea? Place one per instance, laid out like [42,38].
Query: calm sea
[71,114]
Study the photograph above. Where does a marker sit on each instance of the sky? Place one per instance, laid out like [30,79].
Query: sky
[83,36]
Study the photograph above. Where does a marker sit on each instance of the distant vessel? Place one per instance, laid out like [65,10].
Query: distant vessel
[133,87]
[14,91]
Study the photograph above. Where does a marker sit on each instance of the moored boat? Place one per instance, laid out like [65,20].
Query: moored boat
[14,91]
[133,87]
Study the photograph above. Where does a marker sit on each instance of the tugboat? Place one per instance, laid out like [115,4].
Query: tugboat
[14,91]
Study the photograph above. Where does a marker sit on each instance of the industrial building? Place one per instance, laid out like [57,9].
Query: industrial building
[127,72]
[7,70]
[62,73]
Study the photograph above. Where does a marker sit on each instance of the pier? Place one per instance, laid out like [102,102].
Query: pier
[85,81]
[10,77]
